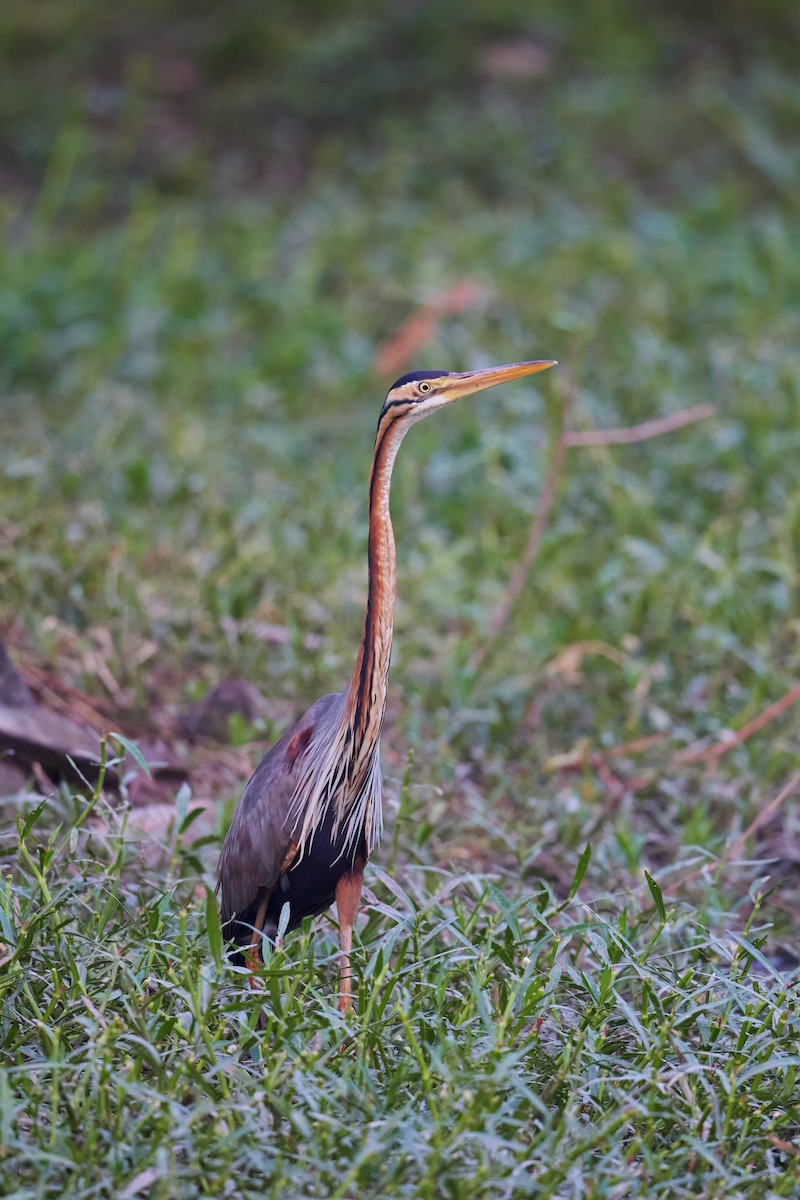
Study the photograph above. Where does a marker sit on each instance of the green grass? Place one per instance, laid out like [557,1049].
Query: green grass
[188,396]
[501,1046]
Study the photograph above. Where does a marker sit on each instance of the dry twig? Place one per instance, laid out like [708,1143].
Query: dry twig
[761,818]
[640,433]
[519,575]
[68,701]
[570,439]
[784,1147]
[733,849]
[639,746]
[712,753]
[421,326]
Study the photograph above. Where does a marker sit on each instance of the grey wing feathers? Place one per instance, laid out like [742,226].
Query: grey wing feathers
[259,838]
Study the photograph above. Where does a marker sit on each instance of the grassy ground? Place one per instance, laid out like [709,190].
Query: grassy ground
[190,322]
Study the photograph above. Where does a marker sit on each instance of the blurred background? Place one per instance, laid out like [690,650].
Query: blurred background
[227,228]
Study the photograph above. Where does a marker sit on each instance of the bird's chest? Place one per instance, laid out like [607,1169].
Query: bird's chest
[309,886]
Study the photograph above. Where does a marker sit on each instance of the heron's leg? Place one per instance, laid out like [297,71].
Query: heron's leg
[348,895]
[254,955]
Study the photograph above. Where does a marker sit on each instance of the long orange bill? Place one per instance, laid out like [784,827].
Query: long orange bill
[467,382]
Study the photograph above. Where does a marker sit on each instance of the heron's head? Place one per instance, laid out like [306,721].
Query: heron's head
[422,392]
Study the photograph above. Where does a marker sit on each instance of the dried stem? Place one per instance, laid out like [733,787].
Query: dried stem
[712,753]
[639,746]
[569,439]
[639,433]
[519,575]
[760,819]
[783,1146]
[415,332]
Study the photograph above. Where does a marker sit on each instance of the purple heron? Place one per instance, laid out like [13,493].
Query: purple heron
[311,814]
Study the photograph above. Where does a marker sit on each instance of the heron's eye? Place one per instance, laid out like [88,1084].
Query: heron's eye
[424,387]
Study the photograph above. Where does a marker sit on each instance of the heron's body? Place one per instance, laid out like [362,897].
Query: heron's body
[262,836]
[311,814]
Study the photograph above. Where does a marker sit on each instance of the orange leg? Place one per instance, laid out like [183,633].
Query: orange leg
[253,955]
[348,895]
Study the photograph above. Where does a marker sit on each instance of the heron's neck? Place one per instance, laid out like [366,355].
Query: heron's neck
[366,698]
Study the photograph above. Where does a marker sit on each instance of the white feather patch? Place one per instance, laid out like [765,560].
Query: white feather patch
[350,782]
